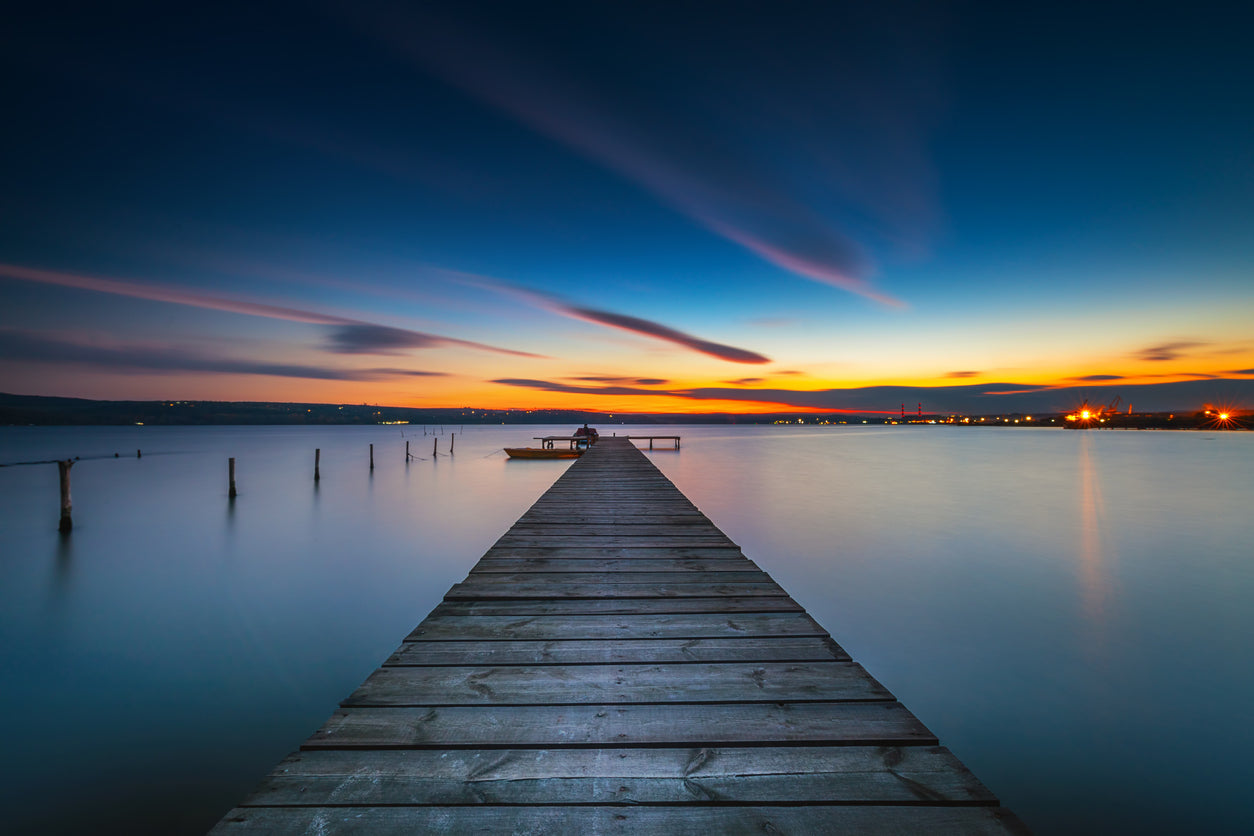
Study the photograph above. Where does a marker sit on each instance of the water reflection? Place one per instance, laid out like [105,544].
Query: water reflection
[973,571]
[1095,573]
[63,566]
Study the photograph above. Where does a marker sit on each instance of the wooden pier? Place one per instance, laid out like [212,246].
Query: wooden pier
[615,664]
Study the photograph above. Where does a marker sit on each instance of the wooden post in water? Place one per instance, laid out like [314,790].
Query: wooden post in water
[230,468]
[406,451]
[317,457]
[67,521]
[139,454]
[372,457]
[452,439]
[435,443]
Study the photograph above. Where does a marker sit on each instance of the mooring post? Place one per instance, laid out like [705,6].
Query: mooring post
[435,443]
[452,439]
[317,457]
[139,454]
[372,457]
[67,521]
[406,451]
[230,468]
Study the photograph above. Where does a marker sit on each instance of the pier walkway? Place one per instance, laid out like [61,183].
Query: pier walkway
[615,664]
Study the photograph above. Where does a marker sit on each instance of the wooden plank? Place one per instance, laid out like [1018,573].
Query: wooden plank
[614,540]
[482,589]
[635,522]
[609,726]
[599,651]
[795,775]
[624,819]
[732,607]
[561,533]
[676,626]
[671,683]
[614,515]
[632,553]
[614,578]
[645,500]
[508,565]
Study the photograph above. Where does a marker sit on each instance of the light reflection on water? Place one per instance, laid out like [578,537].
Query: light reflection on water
[1068,611]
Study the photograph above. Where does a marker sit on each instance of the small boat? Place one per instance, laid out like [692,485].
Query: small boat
[542,453]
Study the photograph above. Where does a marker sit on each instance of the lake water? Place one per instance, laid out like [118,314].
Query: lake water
[1069,611]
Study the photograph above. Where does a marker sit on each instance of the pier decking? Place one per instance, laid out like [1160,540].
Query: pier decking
[615,664]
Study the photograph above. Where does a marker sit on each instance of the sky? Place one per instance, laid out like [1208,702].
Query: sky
[630,207]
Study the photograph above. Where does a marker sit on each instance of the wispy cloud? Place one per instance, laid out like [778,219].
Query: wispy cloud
[715,173]
[1168,351]
[25,346]
[648,328]
[1096,377]
[351,336]
[642,381]
[744,381]
[962,374]
[623,322]
[551,386]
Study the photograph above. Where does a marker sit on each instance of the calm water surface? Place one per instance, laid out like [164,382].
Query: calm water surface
[1068,611]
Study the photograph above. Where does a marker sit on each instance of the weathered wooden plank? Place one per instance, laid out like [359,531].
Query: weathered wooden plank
[561,531]
[480,589]
[733,607]
[680,724]
[675,535]
[508,565]
[619,507]
[631,553]
[792,775]
[614,541]
[673,626]
[623,819]
[744,576]
[585,515]
[672,683]
[599,651]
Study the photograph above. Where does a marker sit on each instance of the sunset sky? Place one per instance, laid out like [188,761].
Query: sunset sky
[629,206]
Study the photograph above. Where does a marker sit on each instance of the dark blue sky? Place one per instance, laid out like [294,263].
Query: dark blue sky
[197,202]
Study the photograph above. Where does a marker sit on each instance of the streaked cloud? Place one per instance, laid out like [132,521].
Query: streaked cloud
[351,336]
[714,170]
[623,322]
[1167,351]
[21,346]
[744,381]
[565,388]
[642,381]
[1095,377]
[648,328]
[962,374]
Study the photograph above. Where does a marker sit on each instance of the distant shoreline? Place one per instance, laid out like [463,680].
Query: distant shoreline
[35,410]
